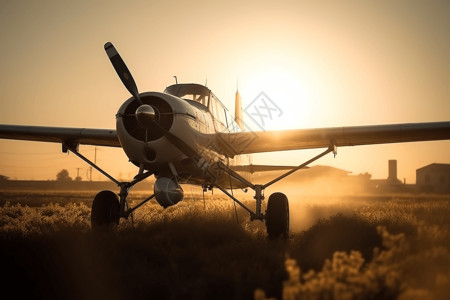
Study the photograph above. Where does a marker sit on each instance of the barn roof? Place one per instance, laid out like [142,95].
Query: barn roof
[435,168]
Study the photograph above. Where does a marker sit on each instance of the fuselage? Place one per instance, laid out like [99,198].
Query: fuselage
[193,114]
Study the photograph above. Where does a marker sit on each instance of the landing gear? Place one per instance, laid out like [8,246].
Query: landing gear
[105,209]
[277,213]
[277,216]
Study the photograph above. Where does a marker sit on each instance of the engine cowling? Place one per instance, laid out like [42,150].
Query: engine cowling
[132,114]
[141,127]
[167,192]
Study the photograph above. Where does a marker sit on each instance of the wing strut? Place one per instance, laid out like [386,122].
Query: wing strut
[330,149]
[259,188]
[125,187]
[74,149]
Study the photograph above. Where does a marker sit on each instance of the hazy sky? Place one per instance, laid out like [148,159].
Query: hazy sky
[325,63]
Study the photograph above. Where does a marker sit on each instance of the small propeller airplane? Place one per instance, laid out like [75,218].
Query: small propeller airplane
[186,135]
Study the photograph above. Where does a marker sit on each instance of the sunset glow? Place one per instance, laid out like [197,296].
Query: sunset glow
[323,64]
[132,139]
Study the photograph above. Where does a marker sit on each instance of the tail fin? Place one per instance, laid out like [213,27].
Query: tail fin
[238,115]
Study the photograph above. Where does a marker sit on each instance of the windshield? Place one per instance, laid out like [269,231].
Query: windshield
[191,91]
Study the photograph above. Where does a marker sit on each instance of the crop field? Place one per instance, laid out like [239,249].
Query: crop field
[371,247]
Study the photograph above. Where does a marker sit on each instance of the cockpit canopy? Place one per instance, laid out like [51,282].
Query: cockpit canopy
[201,94]
[190,91]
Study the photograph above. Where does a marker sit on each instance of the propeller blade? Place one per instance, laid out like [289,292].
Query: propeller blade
[122,70]
[179,143]
[187,150]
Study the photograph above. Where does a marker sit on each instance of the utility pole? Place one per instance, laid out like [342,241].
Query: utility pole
[78,178]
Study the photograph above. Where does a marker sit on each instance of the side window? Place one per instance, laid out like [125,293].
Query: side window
[223,118]
[221,115]
[212,106]
[227,119]
[218,112]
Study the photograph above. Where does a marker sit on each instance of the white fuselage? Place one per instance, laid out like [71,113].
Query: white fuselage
[190,121]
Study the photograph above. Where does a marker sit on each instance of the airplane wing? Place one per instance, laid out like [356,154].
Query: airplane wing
[267,141]
[85,136]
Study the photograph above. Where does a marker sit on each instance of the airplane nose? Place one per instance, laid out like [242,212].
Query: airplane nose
[145,115]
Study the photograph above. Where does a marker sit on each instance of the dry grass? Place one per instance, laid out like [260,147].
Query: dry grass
[379,248]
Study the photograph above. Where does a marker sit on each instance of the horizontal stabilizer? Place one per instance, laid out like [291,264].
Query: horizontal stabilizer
[261,168]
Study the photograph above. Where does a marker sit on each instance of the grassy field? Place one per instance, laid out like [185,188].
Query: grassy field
[390,247]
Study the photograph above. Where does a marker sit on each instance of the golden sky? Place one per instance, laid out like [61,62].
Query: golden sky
[325,64]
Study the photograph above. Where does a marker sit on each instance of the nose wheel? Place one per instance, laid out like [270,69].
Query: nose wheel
[105,209]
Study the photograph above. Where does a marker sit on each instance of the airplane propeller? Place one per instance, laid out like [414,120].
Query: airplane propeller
[122,70]
[145,115]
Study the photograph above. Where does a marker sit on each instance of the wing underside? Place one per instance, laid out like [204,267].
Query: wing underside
[268,141]
[252,142]
[63,135]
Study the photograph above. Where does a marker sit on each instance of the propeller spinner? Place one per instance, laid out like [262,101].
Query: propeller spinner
[145,115]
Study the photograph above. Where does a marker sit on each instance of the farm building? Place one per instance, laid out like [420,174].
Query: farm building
[434,178]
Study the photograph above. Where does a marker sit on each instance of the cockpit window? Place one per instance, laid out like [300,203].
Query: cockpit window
[201,94]
[192,91]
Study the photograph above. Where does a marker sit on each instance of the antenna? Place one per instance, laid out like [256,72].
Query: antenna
[206,82]
[176,80]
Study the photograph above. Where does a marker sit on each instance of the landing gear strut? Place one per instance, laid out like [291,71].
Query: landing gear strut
[107,208]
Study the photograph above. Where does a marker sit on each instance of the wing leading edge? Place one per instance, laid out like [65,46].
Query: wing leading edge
[85,136]
[268,141]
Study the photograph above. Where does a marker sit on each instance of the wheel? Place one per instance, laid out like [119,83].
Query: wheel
[277,216]
[105,209]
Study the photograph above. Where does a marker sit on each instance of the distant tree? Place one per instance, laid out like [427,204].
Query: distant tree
[366,176]
[78,178]
[3,178]
[63,175]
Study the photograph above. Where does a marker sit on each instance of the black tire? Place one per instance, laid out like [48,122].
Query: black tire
[105,209]
[277,216]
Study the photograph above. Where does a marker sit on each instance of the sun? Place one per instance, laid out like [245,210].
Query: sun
[275,98]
